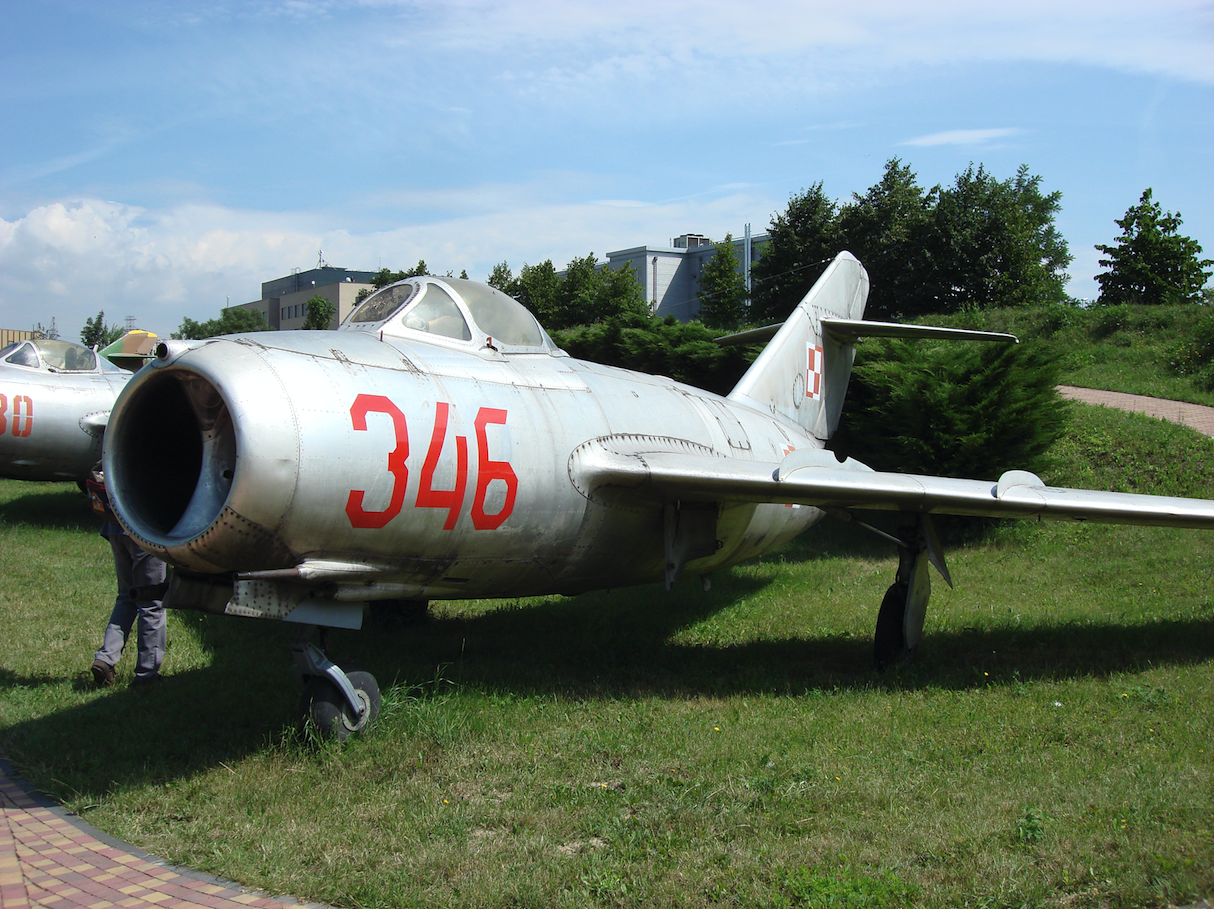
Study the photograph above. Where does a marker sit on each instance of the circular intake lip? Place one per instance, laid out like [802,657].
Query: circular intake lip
[201,459]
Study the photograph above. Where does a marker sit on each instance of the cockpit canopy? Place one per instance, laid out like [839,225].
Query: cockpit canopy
[55,356]
[451,308]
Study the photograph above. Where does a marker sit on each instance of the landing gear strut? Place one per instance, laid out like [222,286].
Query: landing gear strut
[337,702]
[904,607]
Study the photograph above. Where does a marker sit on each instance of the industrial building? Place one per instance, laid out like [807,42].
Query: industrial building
[669,276]
[283,301]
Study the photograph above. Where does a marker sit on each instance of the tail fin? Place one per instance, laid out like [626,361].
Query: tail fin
[803,372]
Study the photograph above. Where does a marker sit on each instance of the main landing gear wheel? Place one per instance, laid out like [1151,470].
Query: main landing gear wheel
[904,607]
[325,708]
[889,640]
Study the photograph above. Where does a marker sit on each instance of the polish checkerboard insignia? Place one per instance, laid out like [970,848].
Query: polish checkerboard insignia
[813,371]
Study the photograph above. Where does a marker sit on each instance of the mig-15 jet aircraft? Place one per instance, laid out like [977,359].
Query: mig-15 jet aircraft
[439,445]
[55,397]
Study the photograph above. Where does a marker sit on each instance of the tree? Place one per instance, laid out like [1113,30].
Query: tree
[575,294]
[384,276]
[231,321]
[887,229]
[536,288]
[991,244]
[97,334]
[501,277]
[1151,262]
[722,288]
[588,292]
[685,351]
[319,314]
[801,243]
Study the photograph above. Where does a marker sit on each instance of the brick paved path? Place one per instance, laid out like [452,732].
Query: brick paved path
[1194,416]
[50,858]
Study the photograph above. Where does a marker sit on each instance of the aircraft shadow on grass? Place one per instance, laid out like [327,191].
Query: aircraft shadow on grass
[62,507]
[615,644]
[607,644]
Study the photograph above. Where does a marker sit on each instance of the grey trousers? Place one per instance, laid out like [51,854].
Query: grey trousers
[135,568]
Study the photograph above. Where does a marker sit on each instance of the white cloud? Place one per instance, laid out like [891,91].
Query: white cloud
[408,89]
[632,37]
[479,59]
[964,137]
[67,260]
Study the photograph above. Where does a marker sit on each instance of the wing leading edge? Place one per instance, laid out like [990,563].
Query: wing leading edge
[629,466]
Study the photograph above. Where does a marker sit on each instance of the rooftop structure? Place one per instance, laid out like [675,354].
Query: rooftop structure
[670,275]
[283,301]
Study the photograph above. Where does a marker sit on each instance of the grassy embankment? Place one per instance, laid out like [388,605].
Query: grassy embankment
[1053,746]
[1117,348]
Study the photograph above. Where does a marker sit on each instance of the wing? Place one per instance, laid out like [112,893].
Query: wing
[657,469]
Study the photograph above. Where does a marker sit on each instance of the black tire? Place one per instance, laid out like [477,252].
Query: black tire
[889,640]
[325,709]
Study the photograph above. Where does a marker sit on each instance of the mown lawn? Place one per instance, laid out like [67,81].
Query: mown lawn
[1052,746]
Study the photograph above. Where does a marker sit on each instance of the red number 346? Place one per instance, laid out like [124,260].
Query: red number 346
[487,470]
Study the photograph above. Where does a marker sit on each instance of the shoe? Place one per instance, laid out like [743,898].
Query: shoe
[141,680]
[103,674]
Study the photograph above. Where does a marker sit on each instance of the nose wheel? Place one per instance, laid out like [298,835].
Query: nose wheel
[336,702]
[325,707]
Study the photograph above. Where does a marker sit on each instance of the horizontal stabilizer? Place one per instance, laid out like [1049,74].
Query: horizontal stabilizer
[851,330]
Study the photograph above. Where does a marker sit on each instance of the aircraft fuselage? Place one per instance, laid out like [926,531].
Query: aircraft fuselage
[52,418]
[449,471]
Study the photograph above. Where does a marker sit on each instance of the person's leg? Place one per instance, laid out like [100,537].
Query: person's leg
[148,571]
[122,617]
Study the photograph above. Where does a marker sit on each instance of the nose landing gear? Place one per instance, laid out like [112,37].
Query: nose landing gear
[336,702]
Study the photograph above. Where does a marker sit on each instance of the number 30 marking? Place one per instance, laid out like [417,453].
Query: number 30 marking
[22,416]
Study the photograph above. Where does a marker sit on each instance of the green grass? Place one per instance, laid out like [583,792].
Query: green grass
[1117,348]
[1052,746]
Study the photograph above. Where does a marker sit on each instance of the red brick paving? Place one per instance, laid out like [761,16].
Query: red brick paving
[1195,416]
[50,858]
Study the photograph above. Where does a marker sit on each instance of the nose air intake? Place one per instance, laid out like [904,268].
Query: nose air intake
[173,457]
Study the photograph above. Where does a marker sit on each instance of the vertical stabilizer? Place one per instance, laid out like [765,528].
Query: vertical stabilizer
[803,372]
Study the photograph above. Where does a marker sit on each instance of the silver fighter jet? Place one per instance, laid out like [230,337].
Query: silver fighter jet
[55,397]
[440,446]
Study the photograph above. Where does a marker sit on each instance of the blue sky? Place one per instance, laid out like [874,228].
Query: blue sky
[159,160]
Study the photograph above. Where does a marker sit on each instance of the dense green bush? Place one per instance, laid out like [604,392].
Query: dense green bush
[685,351]
[964,410]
